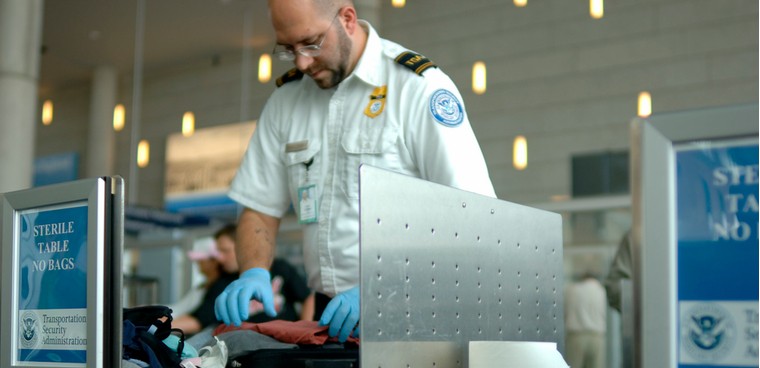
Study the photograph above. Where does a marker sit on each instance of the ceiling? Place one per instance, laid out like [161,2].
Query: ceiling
[79,35]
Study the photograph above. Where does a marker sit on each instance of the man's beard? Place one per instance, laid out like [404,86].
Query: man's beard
[344,53]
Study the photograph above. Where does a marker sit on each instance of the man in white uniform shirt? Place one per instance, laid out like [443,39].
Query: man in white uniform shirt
[364,100]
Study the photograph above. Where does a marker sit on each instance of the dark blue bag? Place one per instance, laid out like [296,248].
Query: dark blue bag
[144,329]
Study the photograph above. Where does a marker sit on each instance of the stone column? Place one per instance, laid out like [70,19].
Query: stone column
[101,138]
[20,39]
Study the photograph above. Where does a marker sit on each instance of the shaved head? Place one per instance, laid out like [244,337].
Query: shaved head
[328,8]
[331,25]
[325,8]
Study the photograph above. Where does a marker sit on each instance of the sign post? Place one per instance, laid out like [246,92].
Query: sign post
[695,238]
[61,275]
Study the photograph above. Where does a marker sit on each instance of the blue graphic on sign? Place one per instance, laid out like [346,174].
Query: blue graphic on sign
[58,168]
[717,266]
[52,280]
[706,336]
[717,223]
[709,332]
[29,331]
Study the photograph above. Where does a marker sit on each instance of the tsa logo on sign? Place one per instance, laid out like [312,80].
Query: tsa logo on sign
[28,330]
[708,332]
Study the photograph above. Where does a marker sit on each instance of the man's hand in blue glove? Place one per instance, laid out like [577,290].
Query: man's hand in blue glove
[231,305]
[342,314]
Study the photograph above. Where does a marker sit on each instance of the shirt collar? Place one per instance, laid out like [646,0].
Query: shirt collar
[369,67]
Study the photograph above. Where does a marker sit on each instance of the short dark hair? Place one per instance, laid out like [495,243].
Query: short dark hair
[228,230]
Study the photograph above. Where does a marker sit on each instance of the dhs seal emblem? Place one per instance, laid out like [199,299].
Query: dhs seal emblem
[708,332]
[375,106]
[446,108]
[28,330]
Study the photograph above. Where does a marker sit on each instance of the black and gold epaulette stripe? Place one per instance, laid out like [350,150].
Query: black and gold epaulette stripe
[291,75]
[415,62]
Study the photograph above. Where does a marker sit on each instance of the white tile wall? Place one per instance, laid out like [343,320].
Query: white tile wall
[567,82]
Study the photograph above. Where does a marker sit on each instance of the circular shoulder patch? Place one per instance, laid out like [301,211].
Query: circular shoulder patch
[446,108]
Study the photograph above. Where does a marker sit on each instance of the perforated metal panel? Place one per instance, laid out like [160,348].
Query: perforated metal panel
[441,267]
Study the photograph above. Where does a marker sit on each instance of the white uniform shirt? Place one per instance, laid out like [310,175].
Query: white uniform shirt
[586,307]
[310,136]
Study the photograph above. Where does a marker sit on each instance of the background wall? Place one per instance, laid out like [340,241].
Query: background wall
[567,82]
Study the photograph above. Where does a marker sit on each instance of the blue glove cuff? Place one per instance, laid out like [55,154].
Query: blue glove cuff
[256,272]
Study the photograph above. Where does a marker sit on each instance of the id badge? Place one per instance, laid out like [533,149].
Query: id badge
[307,204]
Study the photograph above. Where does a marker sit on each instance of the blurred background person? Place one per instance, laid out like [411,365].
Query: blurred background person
[196,312]
[205,257]
[585,323]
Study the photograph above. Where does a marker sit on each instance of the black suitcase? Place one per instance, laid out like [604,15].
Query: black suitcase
[301,357]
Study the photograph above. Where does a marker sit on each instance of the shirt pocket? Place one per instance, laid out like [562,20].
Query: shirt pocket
[369,142]
[303,167]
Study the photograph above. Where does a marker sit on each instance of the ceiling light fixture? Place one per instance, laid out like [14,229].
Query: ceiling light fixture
[47,112]
[596,8]
[645,104]
[143,154]
[188,124]
[265,68]
[398,3]
[520,153]
[479,78]
[521,3]
[118,117]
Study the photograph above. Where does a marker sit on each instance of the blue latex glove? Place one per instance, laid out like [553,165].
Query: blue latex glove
[342,314]
[231,305]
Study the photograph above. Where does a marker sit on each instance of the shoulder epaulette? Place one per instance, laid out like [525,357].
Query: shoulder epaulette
[416,62]
[291,75]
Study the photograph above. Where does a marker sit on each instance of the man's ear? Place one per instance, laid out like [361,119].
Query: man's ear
[348,18]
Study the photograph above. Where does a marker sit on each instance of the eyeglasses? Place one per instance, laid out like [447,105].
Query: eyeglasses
[283,53]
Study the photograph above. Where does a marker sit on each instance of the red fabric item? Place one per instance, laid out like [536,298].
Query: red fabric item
[298,332]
